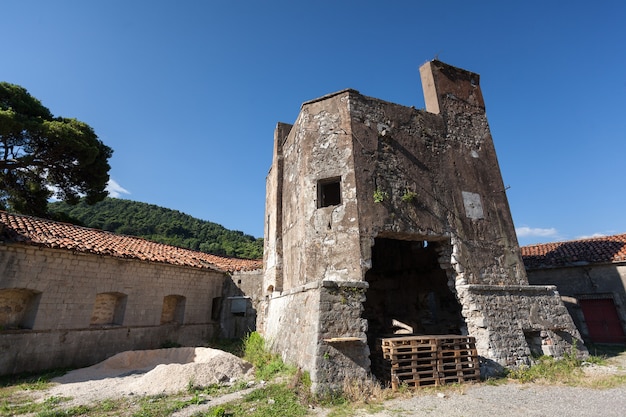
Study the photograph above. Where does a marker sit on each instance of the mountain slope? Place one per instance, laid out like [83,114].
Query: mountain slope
[159,224]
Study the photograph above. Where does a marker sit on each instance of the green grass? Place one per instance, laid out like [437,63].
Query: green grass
[274,400]
[267,365]
[14,390]
[31,381]
[569,371]
[549,369]
[80,410]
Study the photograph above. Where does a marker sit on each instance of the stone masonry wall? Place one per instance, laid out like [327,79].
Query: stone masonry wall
[66,286]
[505,319]
[343,353]
[319,328]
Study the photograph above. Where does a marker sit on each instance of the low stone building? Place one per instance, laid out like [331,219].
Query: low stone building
[380,216]
[590,275]
[72,296]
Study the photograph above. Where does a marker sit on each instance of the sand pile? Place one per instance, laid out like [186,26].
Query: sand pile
[152,372]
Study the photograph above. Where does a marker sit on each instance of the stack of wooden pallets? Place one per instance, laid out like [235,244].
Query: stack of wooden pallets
[430,360]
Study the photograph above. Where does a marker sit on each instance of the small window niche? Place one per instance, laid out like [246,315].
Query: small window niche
[173,309]
[329,192]
[108,309]
[216,308]
[18,308]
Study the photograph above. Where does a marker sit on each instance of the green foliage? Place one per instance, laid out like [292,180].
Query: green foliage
[159,224]
[409,196]
[39,151]
[266,364]
[380,196]
[218,411]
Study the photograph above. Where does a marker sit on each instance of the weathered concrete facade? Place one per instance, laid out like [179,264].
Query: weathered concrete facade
[379,214]
[241,297]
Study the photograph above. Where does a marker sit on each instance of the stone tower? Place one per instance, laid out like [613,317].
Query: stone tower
[381,217]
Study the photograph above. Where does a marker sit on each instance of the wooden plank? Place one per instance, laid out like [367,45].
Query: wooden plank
[345,339]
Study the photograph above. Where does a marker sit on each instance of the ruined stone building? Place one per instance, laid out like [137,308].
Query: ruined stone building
[590,275]
[381,216]
[72,296]
[380,219]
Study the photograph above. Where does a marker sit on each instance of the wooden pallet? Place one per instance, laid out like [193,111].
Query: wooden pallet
[430,360]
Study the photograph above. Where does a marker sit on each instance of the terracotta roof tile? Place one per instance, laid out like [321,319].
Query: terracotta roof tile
[604,249]
[51,234]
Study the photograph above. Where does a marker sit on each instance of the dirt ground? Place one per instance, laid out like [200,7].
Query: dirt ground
[166,371]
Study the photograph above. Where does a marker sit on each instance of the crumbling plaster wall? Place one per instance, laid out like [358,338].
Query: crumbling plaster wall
[319,243]
[273,236]
[405,174]
[314,246]
[291,323]
[404,150]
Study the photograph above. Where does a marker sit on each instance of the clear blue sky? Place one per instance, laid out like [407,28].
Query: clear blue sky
[188,93]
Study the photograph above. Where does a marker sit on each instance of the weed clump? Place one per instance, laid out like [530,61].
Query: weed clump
[567,369]
[267,364]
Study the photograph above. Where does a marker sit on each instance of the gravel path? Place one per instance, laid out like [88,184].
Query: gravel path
[512,400]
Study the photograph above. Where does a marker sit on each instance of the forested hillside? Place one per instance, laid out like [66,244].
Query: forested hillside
[160,225]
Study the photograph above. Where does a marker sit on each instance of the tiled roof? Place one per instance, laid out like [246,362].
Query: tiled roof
[606,249]
[51,234]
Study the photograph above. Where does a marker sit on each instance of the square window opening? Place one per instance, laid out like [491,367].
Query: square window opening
[329,192]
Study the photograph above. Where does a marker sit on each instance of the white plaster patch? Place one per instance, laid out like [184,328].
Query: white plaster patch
[473,205]
[383,129]
[336,274]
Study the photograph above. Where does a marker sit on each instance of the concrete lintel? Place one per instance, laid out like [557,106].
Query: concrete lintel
[327,283]
[508,288]
[302,288]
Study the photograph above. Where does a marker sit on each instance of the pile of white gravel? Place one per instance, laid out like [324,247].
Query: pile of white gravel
[151,372]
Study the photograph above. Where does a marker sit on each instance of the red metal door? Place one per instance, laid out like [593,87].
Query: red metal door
[603,323]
